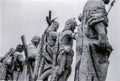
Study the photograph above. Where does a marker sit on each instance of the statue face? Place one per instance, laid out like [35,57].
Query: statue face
[70,24]
[36,42]
[73,27]
[55,26]
[19,48]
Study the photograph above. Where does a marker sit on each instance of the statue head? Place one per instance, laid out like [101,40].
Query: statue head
[19,48]
[35,40]
[70,24]
[54,26]
[106,1]
[80,17]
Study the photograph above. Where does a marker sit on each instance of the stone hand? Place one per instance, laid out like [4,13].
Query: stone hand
[103,42]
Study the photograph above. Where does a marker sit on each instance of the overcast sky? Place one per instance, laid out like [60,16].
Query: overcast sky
[18,17]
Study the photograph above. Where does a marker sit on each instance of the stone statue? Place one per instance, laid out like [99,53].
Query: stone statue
[47,51]
[12,64]
[94,47]
[37,58]
[6,65]
[9,65]
[64,57]
[33,50]
[33,53]
[79,40]
[18,61]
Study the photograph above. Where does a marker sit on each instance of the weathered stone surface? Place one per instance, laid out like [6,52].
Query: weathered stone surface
[5,61]
[33,53]
[62,68]
[16,65]
[94,51]
[47,51]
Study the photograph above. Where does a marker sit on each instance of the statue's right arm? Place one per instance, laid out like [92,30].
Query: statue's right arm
[102,35]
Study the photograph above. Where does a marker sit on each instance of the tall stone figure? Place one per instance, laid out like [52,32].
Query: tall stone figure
[18,61]
[37,60]
[12,64]
[31,52]
[64,56]
[6,65]
[94,48]
[48,48]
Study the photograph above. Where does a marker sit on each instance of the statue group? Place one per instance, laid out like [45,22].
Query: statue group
[49,58]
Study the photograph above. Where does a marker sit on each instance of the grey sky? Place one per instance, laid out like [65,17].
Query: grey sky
[28,17]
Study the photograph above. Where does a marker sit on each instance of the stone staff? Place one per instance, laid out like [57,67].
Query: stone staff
[26,56]
[112,4]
